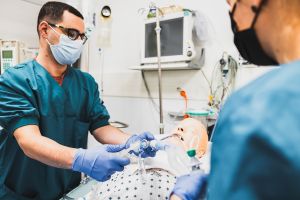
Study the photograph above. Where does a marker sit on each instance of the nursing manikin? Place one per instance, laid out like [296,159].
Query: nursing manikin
[161,171]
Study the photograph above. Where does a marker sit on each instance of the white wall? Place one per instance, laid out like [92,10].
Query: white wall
[125,50]
[18,21]
[124,93]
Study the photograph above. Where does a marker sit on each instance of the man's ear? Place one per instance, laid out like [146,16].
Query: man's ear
[231,2]
[43,29]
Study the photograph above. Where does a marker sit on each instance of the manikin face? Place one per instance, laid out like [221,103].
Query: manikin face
[190,134]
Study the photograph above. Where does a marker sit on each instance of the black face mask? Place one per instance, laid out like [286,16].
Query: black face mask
[248,44]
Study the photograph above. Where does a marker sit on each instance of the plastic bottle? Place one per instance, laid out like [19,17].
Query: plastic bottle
[194,162]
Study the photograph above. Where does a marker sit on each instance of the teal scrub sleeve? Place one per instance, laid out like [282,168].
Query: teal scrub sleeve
[260,170]
[99,115]
[252,157]
[16,110]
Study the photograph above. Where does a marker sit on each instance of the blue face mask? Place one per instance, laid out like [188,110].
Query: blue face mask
[67,51]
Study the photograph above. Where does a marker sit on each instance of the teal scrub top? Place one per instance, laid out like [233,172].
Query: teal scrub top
[65,114]
[256,146]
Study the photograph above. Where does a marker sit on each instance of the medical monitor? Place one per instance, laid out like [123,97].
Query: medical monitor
[176,39]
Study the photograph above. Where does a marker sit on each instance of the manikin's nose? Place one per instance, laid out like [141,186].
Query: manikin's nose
[180,129]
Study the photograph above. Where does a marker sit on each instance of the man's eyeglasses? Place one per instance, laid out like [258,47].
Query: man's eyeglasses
[72,33]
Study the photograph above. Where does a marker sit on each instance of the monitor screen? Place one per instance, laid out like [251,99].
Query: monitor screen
[171,38]
[7,54]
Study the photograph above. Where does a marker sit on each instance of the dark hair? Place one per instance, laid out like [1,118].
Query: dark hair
[53,11]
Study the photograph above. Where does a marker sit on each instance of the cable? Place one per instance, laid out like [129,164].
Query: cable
[148,92]
[222,80]
[154,104]
[208,82]
[101,52]
[232,71]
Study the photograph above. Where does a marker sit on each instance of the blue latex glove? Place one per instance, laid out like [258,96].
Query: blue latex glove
[148,152]
[115,148]
[191,187]
[98,163]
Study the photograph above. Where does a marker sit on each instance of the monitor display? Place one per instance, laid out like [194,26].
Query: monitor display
[7,54]
[171,38]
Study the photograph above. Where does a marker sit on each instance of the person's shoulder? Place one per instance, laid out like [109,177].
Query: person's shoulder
[245,109]
[245,95]
[20,67]
[275,83]
[264,109]
[266,94]
[19,72]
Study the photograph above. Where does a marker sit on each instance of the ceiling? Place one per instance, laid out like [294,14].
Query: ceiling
[18,20]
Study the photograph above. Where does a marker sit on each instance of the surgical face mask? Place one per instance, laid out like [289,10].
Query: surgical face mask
[248,43]
[67,51]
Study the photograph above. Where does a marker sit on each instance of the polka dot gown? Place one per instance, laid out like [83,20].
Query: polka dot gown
[129,186]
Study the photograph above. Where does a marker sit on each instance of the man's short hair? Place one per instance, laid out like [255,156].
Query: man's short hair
[53,11]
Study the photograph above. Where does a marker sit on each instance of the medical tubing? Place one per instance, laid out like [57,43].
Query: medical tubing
[158,44]
[142,170]
[134,149]
[158,145]
[194,161]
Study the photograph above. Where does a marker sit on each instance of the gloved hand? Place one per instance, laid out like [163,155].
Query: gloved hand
[98,163]
[148,152]
[115,148]
[191,187]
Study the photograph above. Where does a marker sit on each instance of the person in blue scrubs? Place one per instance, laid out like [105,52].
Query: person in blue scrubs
[46,111]
[256,151]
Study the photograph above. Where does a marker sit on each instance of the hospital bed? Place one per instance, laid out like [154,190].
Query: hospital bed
[83,192]
[87,187]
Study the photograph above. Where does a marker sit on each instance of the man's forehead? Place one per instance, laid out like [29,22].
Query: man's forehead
[70,20]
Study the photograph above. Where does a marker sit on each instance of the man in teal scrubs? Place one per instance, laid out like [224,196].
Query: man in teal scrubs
[46,111]
[256,151]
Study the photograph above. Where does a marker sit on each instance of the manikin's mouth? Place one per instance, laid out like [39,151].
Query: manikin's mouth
[174,135]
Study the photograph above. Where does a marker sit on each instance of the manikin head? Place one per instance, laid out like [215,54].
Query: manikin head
[190,134]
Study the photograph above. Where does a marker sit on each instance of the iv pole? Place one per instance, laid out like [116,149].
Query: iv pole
[158,42]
